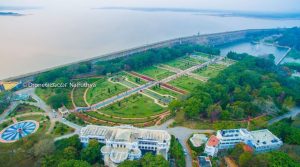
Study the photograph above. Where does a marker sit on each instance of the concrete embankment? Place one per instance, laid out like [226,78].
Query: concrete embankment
[205,39]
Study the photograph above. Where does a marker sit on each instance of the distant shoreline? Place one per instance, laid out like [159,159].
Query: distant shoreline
[208,12]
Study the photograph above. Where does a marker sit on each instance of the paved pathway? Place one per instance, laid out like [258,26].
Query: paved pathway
[146,86]
[182,134]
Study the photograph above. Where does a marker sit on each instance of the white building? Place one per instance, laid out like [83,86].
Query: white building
[126,142]
[264,141]
[260,140]
[229,138]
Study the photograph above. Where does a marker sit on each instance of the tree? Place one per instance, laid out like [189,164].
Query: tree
[58,100]
[70,153]
[244,159]
[43,147]
[73,141]
[92,152]
[74,163]
[150,160]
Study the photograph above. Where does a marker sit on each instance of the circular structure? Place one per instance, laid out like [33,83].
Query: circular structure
[18,130]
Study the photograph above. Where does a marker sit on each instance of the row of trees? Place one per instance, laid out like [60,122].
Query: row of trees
[5,98]
[148,160]
[150,57]
[285,130]
[248,159]
[177,153]
[244,89]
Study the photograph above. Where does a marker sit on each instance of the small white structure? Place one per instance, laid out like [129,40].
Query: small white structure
[126,142]
[259,140]
[63,111]
[198,139]
[211,147]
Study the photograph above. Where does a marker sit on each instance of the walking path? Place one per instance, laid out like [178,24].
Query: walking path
[128,93]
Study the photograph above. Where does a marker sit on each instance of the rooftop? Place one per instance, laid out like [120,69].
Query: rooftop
[232,133]
[264,137]
[213,141]
[125,133]
[204,161]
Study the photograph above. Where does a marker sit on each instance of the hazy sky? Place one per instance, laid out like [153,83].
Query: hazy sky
[246,5]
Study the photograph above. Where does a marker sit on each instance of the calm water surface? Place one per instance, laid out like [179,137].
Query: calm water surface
[255,49]
[53,36]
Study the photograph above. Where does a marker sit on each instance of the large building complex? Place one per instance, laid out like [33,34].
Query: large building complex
[260,140]
[126,142]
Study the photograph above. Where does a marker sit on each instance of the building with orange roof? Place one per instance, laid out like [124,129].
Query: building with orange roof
[211,147]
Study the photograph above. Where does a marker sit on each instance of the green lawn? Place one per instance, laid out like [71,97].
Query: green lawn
[185,82]
[181,64]
[104,89]
[211,71]
[136,105]
[78,93]
[156,73]
[24,108]
[165,91]
[198,61]
[132,78]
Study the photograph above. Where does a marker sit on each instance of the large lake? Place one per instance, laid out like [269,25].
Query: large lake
[259,49]
[49,36]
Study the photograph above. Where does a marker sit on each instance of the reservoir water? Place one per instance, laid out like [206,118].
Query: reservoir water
[60,33]
[254,49]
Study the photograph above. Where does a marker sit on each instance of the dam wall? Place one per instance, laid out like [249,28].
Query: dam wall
[205,39]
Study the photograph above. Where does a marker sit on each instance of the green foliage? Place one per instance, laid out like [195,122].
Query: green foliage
[148,160]
[58,100]
[150,57]
[92,152]
[73,163]
[284,130]
[177,153]
[290,37]
[235,92]
[293,66]
[73,141]
[4,100]
[271,159]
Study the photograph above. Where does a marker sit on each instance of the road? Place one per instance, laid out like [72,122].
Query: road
[292,113]
[182,134]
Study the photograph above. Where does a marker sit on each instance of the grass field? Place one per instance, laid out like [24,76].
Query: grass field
[198,61]
[181,63]
[211,71]
[78,93]
[164,91]
[104,89]
[156,73]
[186,83]
[24,108]
[134,106]
[132,78]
